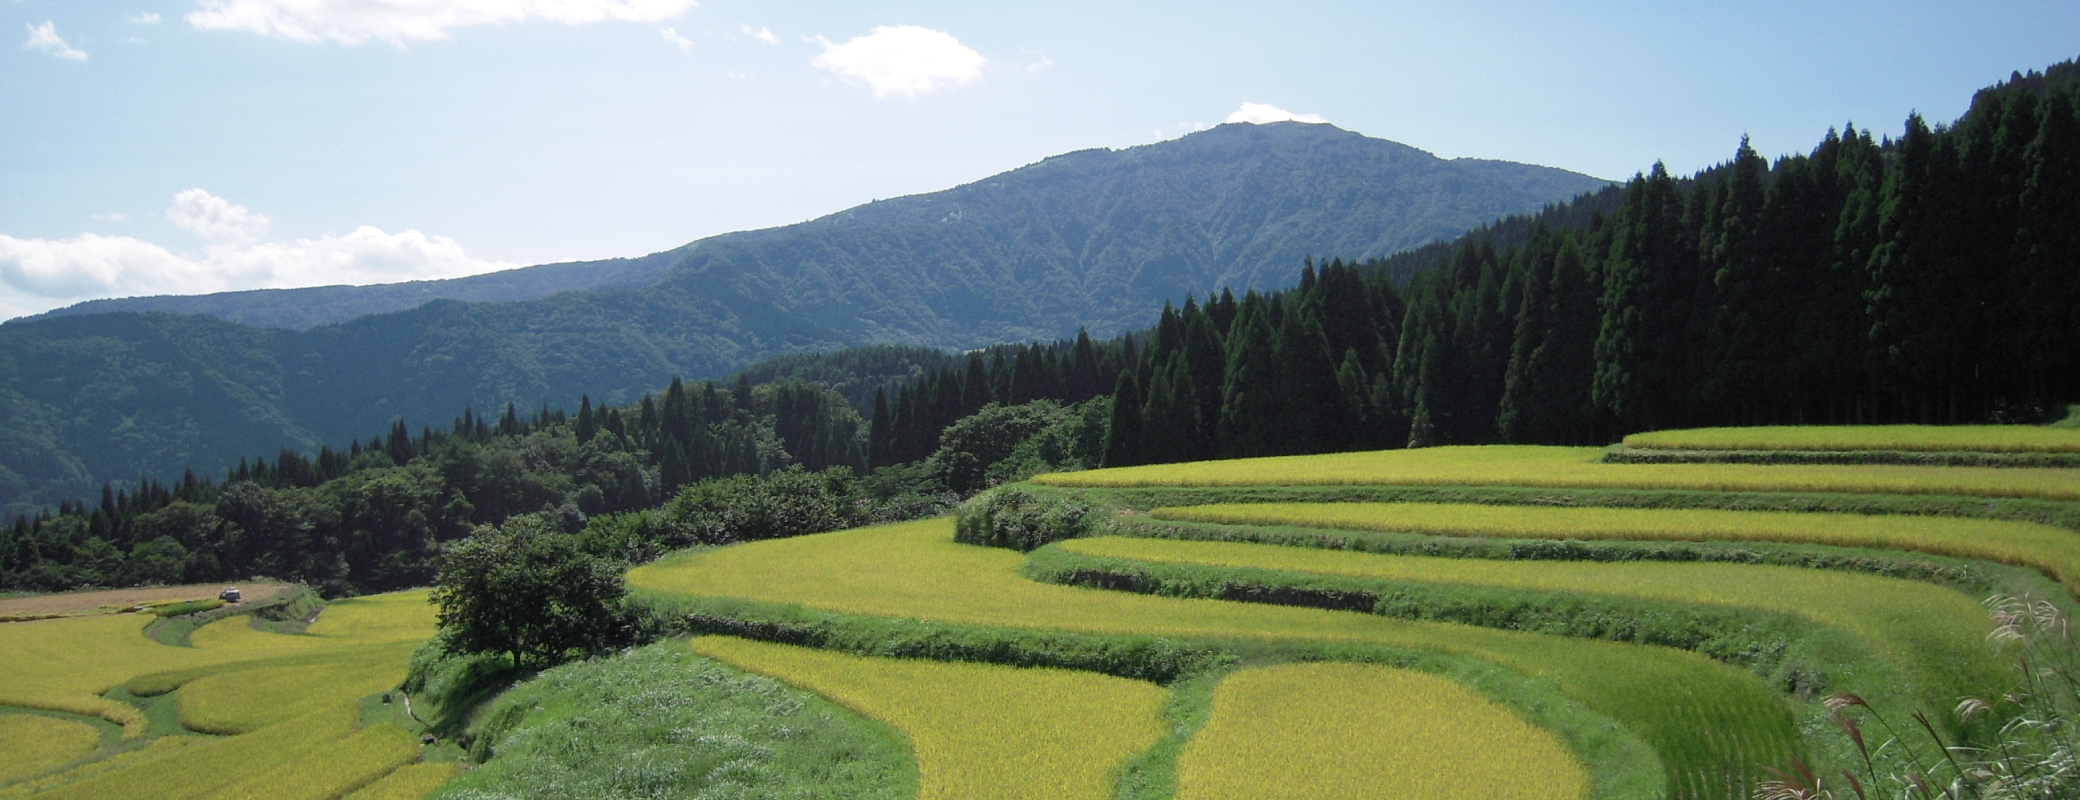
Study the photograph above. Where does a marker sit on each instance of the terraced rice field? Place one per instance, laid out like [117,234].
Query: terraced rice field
[1915,438]
[409,782]
[36,743]
[290,699]
[1578,468]
[1934,634]
[1698,715]
[978,730]
[1366,732]
[2044,547]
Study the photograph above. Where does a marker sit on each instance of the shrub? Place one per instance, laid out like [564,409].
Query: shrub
[1022,519]
[745,508]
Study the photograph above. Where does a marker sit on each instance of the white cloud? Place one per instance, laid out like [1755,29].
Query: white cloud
[760,34]
[1260,113]
[738,76]
[684,44]
[398,21]
[213,217]
[146,18]
[44,39]
[902,60]
[40,274]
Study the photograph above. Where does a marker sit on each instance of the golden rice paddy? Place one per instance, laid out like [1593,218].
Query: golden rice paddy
[978,730]
[1366,732]
[1578,468]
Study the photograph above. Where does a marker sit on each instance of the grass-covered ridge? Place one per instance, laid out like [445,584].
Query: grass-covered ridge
[1840,438]
[1577,468]
[663,721]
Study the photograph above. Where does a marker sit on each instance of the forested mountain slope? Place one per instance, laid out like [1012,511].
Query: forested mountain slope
[1095,238]
[301,309]
[1033,251]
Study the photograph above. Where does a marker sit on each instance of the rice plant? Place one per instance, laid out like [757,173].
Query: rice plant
[409,782]
[34,743]
[1578,468]
[2055,550]
[978,730]
[1918,438]
[1360,731]
[1707,721]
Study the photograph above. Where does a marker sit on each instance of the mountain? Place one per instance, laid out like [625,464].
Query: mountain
[302,309]
[1096,238]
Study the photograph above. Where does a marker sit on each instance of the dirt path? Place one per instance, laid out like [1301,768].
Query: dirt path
[90,602]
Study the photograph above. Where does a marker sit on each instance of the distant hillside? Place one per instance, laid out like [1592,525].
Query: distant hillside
[1095,239]
[300,309]
[1098,230]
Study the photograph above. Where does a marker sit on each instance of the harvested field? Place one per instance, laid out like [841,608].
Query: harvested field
[1364,732]
[114,600]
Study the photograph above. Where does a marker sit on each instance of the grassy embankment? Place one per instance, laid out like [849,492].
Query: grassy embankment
[663,721]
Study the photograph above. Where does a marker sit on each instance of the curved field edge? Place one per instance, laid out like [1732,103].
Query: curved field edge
[661,720]
[1838,438]
[1809,632]
[978,730]
[1710,724]
[2055,551]
[317,747]
[35,743]
[1576,468]
[1366,732]
[2056,513]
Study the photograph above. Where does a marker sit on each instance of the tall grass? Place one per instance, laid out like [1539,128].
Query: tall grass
[1578,468]
[2053,550]
[1913,438]
[1366,732]
[978,730]
[661,721]
[1707,721]
[2035,755]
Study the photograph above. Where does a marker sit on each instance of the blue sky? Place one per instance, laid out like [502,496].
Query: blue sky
[184,146]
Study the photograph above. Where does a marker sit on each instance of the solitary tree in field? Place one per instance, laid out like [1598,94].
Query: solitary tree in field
[526,590]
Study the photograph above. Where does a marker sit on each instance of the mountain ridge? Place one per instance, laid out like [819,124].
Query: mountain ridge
[306,308]
[1095,239]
